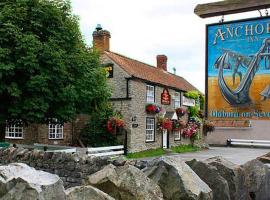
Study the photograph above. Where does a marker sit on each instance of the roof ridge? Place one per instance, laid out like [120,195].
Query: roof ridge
[132,59]
[145,64]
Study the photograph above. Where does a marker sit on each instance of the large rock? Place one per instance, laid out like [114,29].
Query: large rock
[210,175]
[21,182]
[177,180]
[234,174]
[125,183]
[86,193]
[257,179]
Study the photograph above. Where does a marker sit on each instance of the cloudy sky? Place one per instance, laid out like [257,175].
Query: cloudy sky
[142,29]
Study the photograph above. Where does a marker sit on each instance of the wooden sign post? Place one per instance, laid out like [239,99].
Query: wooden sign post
[229,7]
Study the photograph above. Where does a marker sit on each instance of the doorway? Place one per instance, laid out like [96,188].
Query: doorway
[165,139]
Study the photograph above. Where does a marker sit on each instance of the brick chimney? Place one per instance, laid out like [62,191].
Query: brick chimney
[101,39]
[162,62]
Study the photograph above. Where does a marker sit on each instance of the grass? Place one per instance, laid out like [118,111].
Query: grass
[4,144]
[184,149]
[160,151]
[147,153]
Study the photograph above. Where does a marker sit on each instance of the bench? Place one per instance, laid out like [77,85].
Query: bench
[243,142]
[106,151]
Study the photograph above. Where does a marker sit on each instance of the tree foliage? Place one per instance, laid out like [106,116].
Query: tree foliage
[95,134]
[46,70]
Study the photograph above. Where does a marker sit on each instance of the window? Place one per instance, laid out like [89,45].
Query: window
[177,135]
[55,131]
[150,94]
[14,131]
[177,102]
[150,129]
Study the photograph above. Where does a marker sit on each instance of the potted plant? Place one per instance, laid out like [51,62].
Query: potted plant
[167,124]
[178,125]
[208,126]
[114,123]
[152,108]
[191,131]
[180,112]
[164,123]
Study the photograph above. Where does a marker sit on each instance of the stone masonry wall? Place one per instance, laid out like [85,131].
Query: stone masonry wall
[118,82]
[71,168]
[138,102]
[39,133]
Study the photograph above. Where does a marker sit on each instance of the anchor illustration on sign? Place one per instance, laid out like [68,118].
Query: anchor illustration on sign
[240,96]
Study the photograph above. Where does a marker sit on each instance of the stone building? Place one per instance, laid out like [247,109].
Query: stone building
[52,134]
[134,85]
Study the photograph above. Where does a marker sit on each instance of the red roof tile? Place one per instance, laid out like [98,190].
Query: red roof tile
[150,73]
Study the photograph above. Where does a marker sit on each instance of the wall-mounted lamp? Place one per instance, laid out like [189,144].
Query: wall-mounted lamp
[134,118]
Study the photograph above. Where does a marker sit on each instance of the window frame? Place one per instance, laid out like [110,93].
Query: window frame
[152,96]
[153,130]
[55,128]
[179,100]
[8,132]
[179,138]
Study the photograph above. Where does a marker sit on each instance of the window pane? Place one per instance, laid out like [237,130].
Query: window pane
[55,131]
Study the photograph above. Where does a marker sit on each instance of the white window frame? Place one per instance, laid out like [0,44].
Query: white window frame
[53,131]
[177,135]
[150,129]
[150,94]
[14,131]
[177,101]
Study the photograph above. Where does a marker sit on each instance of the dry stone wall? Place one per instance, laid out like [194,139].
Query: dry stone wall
[71,168]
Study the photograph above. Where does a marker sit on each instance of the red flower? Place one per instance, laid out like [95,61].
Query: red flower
[167,124]
[109,126]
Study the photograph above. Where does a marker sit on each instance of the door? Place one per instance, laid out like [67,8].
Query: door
[165,139]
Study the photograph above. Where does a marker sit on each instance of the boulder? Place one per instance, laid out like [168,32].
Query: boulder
[257,179]
[177,180]
[264,158]
[20,182]
[234,175]
[125,183]
[210,175]
[86,193]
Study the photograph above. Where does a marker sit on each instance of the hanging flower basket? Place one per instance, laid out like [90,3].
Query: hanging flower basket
[113,124]
[167,124]
[180,112]
[178,125]
[152,109]
[164,123]
[208,126]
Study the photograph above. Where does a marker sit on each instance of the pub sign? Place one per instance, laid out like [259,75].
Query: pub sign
[238,69]
[165,97]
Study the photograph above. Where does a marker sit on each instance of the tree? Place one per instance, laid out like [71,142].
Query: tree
[46,70]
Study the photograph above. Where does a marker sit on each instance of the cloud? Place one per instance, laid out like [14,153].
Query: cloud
[142,29]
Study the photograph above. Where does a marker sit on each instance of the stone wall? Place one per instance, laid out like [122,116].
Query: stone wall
[71,168]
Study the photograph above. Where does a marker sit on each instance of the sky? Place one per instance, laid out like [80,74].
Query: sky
[142,29]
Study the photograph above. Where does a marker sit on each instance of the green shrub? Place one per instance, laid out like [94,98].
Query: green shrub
[95,133]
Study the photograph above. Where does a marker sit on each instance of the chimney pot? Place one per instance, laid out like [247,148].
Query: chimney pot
[101,39]
[162,62]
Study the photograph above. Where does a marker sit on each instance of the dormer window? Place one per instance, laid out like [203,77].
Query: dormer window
[150,93]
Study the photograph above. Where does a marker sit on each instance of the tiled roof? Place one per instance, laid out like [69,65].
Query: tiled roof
[150,73]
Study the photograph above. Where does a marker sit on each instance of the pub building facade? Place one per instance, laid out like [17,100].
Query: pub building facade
[134,85]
